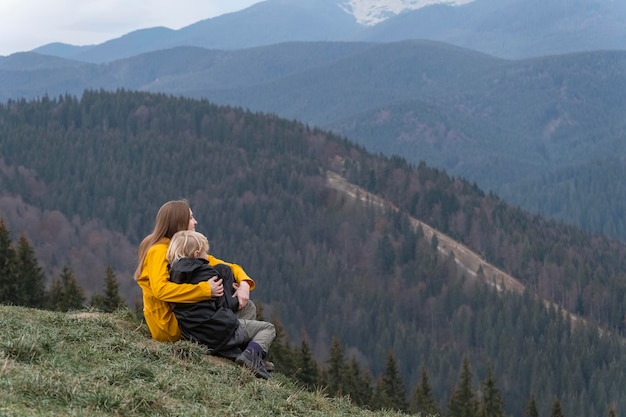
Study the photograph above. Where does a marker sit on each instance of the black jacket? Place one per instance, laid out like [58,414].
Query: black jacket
[210,322]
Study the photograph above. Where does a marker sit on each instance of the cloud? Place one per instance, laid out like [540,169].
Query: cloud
[28,24]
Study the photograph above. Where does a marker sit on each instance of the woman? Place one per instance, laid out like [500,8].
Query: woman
[154,280]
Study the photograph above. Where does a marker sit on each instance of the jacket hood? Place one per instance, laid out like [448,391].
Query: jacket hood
[189,264]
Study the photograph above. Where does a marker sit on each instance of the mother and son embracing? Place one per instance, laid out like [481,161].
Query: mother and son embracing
[190,294]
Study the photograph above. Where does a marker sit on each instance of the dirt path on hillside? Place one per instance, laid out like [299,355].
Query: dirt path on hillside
[467,259]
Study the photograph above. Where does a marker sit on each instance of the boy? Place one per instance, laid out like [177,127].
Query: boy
[213,322]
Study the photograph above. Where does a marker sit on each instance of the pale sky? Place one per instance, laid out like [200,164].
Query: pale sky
[28,24]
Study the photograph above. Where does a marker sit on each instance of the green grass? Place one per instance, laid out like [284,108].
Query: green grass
[96,364]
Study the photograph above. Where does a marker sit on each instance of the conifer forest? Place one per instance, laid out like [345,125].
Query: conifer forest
[366,302]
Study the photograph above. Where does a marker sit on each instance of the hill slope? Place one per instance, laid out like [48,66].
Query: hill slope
[96,364]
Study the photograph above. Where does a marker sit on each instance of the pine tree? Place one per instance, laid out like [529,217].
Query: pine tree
[30,287]
[74,294]
[7,266]
[556,409]
[111,300]
[531,408]
[434,242]
[65,293]
[308,372]
[336,369]
[492,404]
[377,397]
[392,392]
[386,255]
[54,299]
[358,384]
[612,412]
[463,402]
[281,353]
[423,400]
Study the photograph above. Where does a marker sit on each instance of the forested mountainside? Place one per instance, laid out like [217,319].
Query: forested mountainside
[325,264]
[511,126]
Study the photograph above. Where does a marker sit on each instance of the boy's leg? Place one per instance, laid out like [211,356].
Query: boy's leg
[260,332]
[258,336]
[234,346]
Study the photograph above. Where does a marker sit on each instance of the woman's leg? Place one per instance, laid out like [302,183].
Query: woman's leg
[248,312]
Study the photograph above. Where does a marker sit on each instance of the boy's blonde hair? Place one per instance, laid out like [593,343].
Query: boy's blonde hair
[185,244]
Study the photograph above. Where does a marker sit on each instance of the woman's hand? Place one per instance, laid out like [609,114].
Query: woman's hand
[217,288]
[242,292]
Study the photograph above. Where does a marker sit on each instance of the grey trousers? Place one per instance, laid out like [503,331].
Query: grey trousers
[261,332]
[250,330]
[248,312]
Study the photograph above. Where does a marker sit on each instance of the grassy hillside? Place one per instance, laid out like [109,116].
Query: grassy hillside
[96,364]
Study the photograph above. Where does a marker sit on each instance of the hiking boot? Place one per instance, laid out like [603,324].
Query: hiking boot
[253,361]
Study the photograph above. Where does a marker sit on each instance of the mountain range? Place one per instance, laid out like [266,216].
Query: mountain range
[504,28]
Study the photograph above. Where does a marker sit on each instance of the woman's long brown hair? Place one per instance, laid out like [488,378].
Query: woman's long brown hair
[172,217]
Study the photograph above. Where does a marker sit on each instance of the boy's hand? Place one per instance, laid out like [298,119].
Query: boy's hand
[217,288]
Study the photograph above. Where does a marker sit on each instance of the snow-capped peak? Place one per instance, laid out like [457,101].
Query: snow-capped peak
[371,12]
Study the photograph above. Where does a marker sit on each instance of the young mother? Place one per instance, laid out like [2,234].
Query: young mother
[153,277]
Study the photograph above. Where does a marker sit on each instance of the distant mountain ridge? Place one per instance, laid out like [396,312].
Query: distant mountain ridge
[504,28]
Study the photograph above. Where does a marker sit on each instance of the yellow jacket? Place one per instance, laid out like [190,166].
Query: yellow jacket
[158,291]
